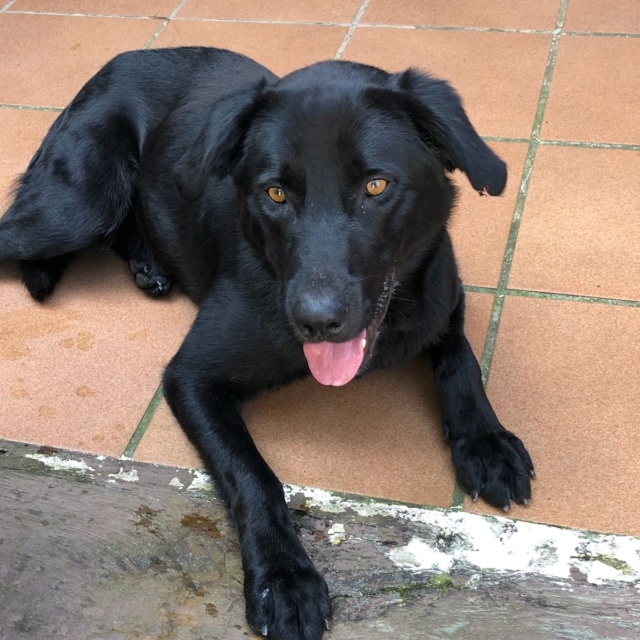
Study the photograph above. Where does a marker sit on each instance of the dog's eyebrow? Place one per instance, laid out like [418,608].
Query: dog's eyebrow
[285,175]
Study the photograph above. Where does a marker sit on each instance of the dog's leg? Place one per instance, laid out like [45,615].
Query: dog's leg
[130,244]
[74,195]
[285,596]
[489,460]
[41,276]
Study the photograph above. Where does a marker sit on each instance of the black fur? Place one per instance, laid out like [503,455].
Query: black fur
[167,156]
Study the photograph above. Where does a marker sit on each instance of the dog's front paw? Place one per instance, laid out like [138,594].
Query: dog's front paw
[494,465]
[288,600]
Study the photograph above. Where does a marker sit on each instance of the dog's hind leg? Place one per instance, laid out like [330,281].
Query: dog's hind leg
[75,194]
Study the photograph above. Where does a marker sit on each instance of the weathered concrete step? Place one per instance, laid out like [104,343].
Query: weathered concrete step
[104,549]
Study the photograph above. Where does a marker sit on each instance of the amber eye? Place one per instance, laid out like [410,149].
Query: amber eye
[277,194]
[376,186]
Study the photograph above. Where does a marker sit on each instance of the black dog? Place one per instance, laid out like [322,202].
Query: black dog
[307,218]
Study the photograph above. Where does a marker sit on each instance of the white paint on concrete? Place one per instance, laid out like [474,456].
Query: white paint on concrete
[176,483]
[418,556]
[201,482]
[125,476]
[336,533]
[495,543]
[59,464]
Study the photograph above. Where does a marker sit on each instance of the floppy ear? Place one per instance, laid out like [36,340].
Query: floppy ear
[218,147]
[437,111]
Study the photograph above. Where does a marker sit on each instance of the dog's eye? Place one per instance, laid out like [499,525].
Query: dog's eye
[277,195]
[376,186]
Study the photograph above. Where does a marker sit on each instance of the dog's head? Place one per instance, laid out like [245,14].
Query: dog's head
[341,172]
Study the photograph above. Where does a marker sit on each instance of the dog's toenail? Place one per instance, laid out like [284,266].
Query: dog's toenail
[264,631]
[506,508]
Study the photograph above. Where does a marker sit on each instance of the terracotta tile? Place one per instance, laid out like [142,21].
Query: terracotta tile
[480,225]
[79,371]
[515,14]
[281,48]
[620,16]
[580,229]
[595,91]
[48,58]
[153,8]
[380,436]
[316,11]
[499,75]
[565,378]
[22,132]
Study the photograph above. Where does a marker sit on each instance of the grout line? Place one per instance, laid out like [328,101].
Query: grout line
[173,15]
[82,15]
[522,194]
[505,139]
[143,425]
[551,295]
[457,499]
[601,34]
[554,143]
[352,29]
[367,25]
[591,145]
[155,34]
[571,297]
[164,24]
[8,6]
[472,288]
[29,107]
[437,27]
[305,23]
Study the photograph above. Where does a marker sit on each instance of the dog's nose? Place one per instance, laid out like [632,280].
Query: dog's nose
[320,316]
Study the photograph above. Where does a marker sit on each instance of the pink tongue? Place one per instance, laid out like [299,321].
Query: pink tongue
[335,363]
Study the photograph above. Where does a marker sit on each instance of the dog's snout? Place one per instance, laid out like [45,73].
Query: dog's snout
[319,317]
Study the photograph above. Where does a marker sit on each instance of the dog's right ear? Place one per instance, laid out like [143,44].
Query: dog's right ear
[218,147]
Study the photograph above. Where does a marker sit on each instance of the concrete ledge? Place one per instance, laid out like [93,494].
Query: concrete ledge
[112,549]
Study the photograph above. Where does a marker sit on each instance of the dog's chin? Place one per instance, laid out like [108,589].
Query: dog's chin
[337,363]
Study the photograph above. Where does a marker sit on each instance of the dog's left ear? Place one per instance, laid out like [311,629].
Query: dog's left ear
[437,111]
[217,149]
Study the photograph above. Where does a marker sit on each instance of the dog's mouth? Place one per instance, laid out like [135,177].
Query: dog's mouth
[336,363]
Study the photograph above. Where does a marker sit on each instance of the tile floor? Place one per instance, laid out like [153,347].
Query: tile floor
[552,267]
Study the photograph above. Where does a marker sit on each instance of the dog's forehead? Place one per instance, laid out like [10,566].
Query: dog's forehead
[335,120]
